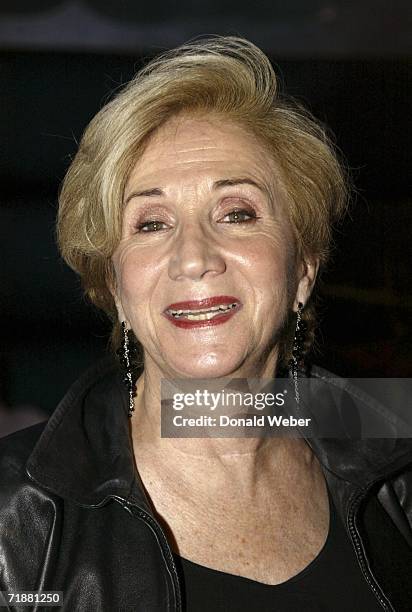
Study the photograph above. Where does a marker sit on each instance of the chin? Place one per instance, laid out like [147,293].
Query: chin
[206,367]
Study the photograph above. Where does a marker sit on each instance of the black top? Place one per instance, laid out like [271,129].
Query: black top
[332,581]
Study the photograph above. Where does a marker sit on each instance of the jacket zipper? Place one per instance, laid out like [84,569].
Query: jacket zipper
[360,554]
[164,547]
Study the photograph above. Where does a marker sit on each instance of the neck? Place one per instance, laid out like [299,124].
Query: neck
[246,457]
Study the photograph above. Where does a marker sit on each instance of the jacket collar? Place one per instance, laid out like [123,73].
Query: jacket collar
[85,451]
[360,461]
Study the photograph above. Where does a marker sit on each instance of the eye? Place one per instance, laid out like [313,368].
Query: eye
[154,224]
[238,213]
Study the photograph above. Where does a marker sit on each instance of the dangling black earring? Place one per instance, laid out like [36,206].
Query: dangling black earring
[296,361]
[125,352]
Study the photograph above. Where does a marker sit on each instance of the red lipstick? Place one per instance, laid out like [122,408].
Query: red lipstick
[180,320]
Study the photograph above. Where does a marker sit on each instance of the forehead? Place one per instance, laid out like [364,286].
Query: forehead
[195,143]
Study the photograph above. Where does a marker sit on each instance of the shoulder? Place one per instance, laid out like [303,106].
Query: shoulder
[19,495]
[374,408]
[27,512]
[376,442]
[20,499]
[15,450]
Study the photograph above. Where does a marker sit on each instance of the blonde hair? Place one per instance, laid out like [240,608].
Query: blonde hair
[228,77]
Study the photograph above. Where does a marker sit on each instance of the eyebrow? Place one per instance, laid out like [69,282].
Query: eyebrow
[156,191]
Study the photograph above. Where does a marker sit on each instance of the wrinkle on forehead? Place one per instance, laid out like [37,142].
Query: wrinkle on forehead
[178,140]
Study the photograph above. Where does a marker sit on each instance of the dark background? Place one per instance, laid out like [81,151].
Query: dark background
[348,62]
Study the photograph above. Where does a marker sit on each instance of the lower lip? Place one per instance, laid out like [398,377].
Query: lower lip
[217,320]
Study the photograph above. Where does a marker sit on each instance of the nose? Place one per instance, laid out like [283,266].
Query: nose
[195,255]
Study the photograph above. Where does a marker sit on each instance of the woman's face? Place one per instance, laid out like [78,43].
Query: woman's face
[183,241]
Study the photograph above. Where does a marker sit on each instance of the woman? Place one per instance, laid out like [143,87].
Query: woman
[199,188]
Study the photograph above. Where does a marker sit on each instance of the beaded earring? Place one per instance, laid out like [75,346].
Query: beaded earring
[297,350]
[125,352]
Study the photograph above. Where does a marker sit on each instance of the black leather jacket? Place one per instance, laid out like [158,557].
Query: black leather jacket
[74,516]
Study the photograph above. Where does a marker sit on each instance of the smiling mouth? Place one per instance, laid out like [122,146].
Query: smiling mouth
[202,314]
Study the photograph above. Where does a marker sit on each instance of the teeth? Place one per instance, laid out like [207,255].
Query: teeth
[202,315]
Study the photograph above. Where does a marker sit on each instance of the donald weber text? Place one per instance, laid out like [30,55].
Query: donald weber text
[262,420]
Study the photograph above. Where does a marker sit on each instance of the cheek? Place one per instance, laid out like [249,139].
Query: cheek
[134,276]
[271,272]
[269,260]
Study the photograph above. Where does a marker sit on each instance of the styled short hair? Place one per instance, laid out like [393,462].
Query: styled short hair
[229,78]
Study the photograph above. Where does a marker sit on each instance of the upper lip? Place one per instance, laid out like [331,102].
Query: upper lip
[205,303]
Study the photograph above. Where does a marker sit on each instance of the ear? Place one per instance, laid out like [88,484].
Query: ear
[307,272]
